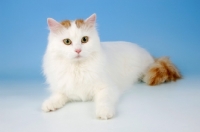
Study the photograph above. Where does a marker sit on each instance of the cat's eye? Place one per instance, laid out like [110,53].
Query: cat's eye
[67,41]
[84,39]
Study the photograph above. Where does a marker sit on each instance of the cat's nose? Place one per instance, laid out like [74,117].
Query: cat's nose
[78,50]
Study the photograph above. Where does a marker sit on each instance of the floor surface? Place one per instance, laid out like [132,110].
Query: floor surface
[171,107]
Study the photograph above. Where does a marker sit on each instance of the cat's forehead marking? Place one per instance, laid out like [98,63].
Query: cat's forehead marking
[79,22]
[66,23]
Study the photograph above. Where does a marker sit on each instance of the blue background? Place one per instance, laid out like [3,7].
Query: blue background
[163,27]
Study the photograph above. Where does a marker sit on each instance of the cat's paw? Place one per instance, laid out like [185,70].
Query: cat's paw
[105,112]
[53,103]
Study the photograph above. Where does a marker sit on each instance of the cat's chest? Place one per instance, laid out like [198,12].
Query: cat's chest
[81,82]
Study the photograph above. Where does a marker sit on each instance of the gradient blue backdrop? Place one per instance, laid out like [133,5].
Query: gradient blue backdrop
[164,27]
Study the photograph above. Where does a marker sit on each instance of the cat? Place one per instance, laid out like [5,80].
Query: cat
[78,67]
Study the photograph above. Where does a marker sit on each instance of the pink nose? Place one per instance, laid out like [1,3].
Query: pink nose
[78,50]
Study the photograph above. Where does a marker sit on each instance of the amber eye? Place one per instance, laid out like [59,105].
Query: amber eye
[67,41]
[84,39]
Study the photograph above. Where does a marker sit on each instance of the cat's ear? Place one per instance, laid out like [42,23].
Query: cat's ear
[91,20]
[53,25]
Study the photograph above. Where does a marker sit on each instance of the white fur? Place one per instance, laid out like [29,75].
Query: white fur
[102,72]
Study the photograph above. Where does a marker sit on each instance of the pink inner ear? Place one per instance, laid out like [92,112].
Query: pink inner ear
[53,24]
[91,19]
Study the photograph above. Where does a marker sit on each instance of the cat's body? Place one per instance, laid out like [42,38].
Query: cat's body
[116,63]
[79,67]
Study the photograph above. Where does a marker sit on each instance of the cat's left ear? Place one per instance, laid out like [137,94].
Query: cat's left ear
[53,25]
[91,20]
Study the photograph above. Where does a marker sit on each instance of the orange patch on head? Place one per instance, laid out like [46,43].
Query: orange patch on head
[66,23]
[79,22]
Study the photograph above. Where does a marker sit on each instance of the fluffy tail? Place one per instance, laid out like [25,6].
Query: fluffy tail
[162,70]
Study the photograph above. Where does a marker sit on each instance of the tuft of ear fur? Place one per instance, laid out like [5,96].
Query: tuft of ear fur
[91,20]
[161,71]
[53,25]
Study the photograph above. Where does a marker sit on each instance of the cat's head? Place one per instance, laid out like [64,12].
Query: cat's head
[76,40]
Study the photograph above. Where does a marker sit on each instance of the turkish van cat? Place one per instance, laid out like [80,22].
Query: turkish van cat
[78,67]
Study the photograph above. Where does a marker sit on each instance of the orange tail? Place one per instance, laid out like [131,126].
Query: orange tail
[161,71]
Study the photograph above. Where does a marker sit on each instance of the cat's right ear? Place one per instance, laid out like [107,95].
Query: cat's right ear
[91,20]
[53,25]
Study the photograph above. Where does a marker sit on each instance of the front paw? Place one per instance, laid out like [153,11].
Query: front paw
[105,112]
[53,103]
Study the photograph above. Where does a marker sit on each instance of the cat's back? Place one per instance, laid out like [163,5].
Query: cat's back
[123,49]
[126,61]
[118,45]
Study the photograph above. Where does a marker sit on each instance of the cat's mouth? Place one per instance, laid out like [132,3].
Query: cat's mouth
[78,56]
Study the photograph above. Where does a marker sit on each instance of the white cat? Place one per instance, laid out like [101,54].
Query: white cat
[78,67]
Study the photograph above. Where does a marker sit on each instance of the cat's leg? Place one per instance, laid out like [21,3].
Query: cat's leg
[105,101]
[54,102]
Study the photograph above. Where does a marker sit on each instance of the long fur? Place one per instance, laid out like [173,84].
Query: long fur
[163,70]
[100,72]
